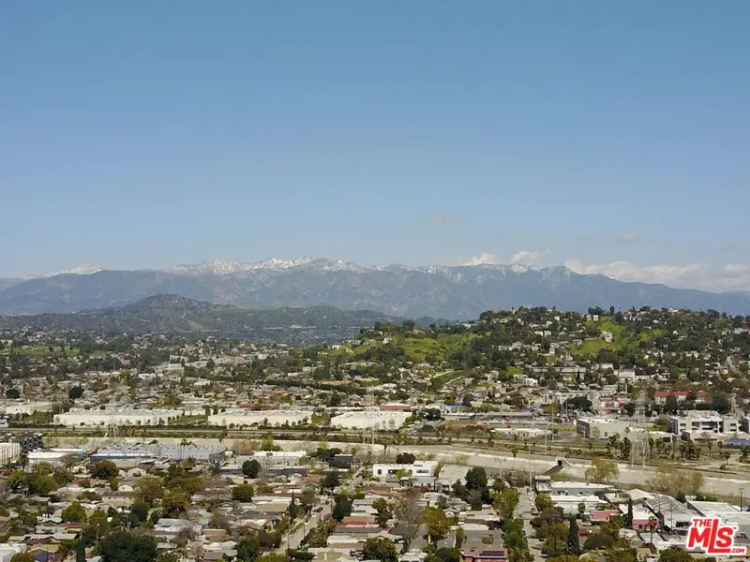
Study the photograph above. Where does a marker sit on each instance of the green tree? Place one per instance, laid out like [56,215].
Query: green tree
[74,513]
[445,554]
[437,523]
[127,546]
[405,458]
[506,501]
[574,541]
[251,468]
[138,513]
[629,515]
[476,478]
[331,481]
[515,541]
[542,502]
[675,555]
[380,549]
[621,554]
[104,470]
[75,392]
[80,552]
[149,489]
[175,503]
[342,506]
[248,548]
[41,484]
[243,493]
[555,543]
[384,512]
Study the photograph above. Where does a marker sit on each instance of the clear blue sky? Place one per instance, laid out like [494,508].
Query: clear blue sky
[138,134]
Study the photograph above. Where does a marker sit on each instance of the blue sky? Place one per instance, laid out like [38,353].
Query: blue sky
[609,136]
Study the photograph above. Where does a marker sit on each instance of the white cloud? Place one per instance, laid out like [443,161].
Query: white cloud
[484,258]
[528,257]
[521,257]
[730,277]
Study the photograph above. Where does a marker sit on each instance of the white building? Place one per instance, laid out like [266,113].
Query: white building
[570,505]
[9,453]
[602,428]
[696,423]
[371,419]
[421,471]
[52,457]
[522,432]
[120,417]
[25,408]
[240,418]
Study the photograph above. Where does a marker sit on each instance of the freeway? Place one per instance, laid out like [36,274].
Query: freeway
[464,451]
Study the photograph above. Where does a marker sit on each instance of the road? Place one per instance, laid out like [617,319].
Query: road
[298,532]
[524,511]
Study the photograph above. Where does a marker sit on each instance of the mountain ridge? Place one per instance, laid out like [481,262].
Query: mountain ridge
[440,291]
[177,315]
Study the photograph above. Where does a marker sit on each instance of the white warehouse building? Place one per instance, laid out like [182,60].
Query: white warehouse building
[371,419]
[27,407]
[9,453]
[98,418]
[240,418]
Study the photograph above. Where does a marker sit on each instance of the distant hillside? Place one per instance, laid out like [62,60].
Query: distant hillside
[171,314]
[5,283]
[454,293]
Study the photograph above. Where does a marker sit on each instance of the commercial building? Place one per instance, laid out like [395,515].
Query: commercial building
[602,428]
[371,419]
[697,423]
[132,454]
[522,432]
[9,453]
[115,417]
[24,407]
[54,457]
[419,472]
[243,418]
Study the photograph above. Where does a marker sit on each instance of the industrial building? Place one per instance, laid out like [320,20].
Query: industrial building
[371,419]
[602,428]
[9,453]
[24,407]
[118,417]
[246,418]
[130,454]
[54,457]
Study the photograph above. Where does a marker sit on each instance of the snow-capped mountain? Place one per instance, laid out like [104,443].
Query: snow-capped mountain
[83,269]
[230,267]
[440,291]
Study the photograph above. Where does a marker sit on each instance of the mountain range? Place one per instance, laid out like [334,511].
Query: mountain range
[448,292]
